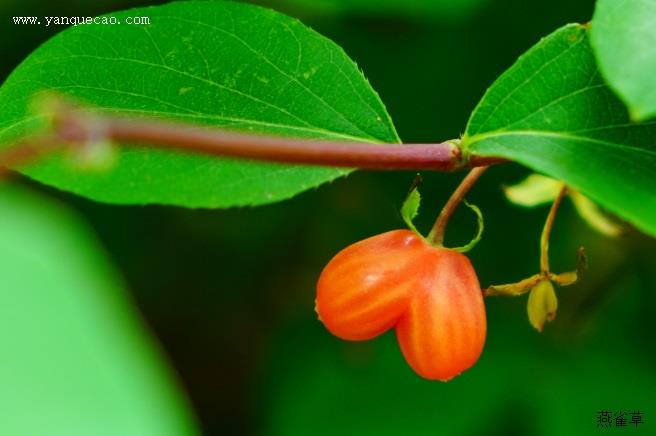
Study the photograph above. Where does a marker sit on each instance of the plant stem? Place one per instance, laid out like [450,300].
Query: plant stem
[76,126]
[27,152]
[546,232]
[436,236]
[444,156]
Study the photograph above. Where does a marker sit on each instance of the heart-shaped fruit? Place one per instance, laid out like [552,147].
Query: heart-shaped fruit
[431,295]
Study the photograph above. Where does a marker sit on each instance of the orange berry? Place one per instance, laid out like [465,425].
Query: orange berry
[396,279]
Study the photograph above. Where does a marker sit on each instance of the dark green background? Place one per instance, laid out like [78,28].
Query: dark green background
[230,293]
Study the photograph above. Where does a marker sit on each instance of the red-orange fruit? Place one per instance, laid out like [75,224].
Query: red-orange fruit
[431,295]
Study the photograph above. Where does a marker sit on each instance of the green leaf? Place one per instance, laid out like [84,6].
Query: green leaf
[75,359]
[552,112]
[212,63]
[410,207]
[624,40]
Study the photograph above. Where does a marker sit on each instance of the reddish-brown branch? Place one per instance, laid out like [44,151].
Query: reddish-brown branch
[27,152]
[78,127]
[281,149]
[160,134]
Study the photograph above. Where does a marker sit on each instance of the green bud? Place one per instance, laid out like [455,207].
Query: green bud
[542,304]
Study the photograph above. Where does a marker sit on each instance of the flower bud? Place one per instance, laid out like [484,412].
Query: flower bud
[542,304]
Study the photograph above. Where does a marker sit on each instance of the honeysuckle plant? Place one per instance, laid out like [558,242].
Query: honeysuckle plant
[221,104]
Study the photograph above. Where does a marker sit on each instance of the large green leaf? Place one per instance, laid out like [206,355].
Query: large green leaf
[210,63]
[624,40]
[75,360]
[553,112]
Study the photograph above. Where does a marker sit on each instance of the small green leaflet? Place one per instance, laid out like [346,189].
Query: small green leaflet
[218,63]
[623,35]
[553,112]
[410,208]
[75,358]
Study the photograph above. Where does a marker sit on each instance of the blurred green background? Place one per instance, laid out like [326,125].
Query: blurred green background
[229,293]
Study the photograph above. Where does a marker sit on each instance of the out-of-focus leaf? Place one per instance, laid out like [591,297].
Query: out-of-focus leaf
[75,359]
[594,216]
[534,190]
[624,40]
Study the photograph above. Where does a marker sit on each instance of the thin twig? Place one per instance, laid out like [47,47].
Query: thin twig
[75,126]
[27,151]
[436,236]
[444,156]
[546,231]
